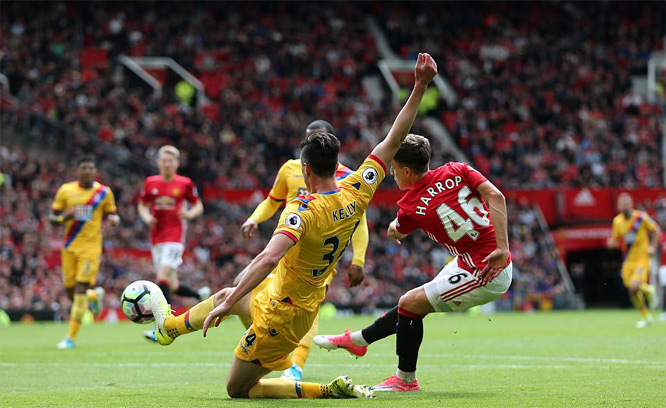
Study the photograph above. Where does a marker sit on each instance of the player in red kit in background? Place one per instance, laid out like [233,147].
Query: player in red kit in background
[162,208]
[459,208]
[662,270]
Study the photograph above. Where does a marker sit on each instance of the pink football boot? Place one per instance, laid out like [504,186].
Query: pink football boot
[331,342]
[393,383]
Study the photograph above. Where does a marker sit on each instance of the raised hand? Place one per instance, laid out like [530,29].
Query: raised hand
[425,69]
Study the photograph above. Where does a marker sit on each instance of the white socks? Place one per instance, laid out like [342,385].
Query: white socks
[357,338]
[406,376]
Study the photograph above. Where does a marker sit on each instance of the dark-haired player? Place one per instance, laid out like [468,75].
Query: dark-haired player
[311,236]
[81,205]
[288,185]
[459,208]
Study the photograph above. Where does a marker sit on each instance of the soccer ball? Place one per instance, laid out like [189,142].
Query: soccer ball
[135,301]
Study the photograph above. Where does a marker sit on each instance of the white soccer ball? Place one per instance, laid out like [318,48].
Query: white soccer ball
[135,301]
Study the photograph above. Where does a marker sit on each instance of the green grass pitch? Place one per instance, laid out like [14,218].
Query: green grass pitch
[563,359]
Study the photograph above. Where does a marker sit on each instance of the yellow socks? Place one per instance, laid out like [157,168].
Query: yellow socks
[79,307]
[303,350]
[279,388]
[638,300]
[190,321]
[648,291]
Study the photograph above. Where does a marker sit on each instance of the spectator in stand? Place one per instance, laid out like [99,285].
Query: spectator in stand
[219,252]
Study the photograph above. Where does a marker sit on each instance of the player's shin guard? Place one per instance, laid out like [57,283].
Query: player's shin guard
[305,345]
[382,327]
[186,291]
[166,289]
[279,388]
[190,321]
[79,307]
[409,336]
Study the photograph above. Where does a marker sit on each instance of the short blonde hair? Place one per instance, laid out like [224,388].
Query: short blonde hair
[168,149]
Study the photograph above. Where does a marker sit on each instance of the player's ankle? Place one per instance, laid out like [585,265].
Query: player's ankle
[406,376]
[358,339]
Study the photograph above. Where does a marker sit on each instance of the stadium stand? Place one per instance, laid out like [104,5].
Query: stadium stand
[265,80]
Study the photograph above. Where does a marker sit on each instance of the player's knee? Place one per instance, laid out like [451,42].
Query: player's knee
[81,287]
[407,301]
[633,287]
[236,390]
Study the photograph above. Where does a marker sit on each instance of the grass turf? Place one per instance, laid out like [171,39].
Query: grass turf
[563,359]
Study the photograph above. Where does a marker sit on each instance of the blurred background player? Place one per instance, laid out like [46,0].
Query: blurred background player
[637,235]
[662,271]
[162,208]
[288,185]
[459,208]
[81,205]
[312,234]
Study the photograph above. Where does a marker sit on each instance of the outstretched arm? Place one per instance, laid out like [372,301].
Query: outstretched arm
[252,276]
[424,71]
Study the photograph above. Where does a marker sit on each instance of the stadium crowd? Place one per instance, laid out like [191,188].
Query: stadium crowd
[527,117]
[544,95]
[542,102]
[30,246]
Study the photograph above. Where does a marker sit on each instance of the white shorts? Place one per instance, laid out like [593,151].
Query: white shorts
[168,253]
[662,275]
[455,289]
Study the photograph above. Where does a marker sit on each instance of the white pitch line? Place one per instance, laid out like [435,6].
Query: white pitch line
[436,355]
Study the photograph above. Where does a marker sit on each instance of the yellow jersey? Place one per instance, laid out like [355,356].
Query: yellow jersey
[632,233]
[290,184]
[322,225]
[83,232]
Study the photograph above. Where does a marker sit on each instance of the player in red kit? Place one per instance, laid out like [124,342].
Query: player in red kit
[459,208]
[162,208]
[662,271]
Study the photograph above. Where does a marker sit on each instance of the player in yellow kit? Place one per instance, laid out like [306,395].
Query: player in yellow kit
[311,236]
[288,185]
[637,235]
[81,205]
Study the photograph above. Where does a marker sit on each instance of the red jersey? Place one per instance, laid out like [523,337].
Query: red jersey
[445,204]
[166,200]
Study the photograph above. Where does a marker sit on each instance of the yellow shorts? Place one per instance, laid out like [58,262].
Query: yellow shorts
[79,267]
[276,330]
[635,271]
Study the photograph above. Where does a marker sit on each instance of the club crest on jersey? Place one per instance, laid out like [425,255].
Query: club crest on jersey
[293,220]
[176,192]
[370,175]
